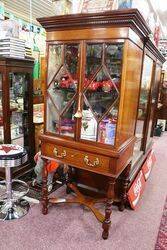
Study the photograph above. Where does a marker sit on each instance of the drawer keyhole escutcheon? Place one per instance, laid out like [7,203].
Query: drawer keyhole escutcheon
[62,155]
[88,163]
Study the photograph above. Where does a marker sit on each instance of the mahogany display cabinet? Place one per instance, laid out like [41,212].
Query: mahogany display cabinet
[99,102]
[16,108]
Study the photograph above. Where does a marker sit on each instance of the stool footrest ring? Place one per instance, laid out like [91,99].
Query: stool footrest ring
[15,194]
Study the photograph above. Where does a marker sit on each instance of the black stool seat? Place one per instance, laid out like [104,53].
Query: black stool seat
[12,155]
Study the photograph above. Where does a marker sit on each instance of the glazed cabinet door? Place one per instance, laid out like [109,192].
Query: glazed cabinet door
[101,91]
[19,112]
[62,88]
[144,123]
[154,99]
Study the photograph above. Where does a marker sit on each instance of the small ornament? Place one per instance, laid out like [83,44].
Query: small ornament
[107,86]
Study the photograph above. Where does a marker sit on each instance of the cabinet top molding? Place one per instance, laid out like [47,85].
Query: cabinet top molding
[125,18]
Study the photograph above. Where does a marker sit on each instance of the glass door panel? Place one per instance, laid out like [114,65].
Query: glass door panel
[89,124]
[107,126]
[53,117]
[153,102]
[62,88]
[143,103]
[19,108]
[1,113]
[55,60]
[93,61]
[101,92]
[67,121]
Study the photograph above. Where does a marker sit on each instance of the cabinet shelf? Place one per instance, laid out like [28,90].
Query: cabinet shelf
[65,89]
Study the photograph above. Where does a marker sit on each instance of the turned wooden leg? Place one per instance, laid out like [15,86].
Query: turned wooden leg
[125,182]
[70,179]
[107,222]
[44,189]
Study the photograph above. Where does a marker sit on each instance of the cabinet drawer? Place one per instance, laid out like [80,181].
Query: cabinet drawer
[79,159]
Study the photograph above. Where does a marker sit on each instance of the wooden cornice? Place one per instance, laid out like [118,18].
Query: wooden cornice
[154,50]
[115,18]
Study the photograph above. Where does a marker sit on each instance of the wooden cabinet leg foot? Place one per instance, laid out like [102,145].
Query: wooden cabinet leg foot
[44,190]
[68,190]
[125,183]
[107,222]
[121,207]
[44,210]
[110,196]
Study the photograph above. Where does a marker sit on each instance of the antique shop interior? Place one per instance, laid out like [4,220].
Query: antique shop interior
[83,124]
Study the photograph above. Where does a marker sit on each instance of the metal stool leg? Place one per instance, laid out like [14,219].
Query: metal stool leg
[9,209]
[8,185]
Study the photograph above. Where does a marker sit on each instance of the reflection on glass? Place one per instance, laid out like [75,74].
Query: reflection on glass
[67,124]
[62,89]
[64,125]
[63,80]
[62,93]
[153,101]
[93,61]
[143,101]
[107,126]
[113,60]
[60,97]
[1,113]
[18,108]
[55,60]
[71,59]
[101,94]
[52,118]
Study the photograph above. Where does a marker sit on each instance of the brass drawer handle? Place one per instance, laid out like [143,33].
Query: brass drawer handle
[88,163]
[62,155]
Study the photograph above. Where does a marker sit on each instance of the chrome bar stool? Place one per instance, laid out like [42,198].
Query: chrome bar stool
[12,204]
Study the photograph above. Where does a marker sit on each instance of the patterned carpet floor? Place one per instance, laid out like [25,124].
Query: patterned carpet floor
[161,243]
[70,227]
